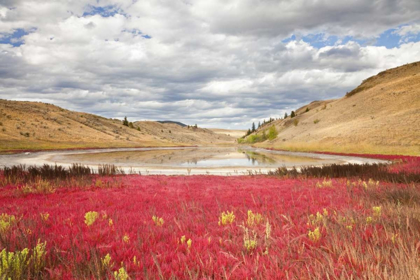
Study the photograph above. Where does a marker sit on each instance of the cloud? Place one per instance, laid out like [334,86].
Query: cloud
[212,63]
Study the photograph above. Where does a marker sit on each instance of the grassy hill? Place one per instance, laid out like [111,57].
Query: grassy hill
[35,125]
[382,115]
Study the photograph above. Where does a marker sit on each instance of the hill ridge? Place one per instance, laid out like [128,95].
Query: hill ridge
[37,125]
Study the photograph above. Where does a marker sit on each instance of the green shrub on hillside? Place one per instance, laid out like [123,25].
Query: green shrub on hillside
[272,133]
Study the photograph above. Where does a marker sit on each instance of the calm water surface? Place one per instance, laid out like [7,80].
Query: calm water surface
[190,157]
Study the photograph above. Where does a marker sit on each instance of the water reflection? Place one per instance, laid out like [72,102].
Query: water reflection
[189,157]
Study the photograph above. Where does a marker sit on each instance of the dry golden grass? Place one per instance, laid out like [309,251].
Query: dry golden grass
[229,132]
[381,117]
[40,126]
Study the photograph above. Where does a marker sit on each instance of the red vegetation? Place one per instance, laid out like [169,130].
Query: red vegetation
[353,239]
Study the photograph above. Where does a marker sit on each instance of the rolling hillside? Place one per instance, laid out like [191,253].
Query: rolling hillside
[34,125]
[382,115]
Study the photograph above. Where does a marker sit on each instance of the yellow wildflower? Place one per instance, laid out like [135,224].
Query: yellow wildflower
[314,235]
[90,218]
[226,218]
[158,221]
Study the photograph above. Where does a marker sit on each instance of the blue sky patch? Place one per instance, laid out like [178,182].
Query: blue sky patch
[137,32]
[106,11]
[16,38]
[389,39]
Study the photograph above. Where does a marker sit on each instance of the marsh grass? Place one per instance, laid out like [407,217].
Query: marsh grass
[47,178]
[375,171]
[109,170]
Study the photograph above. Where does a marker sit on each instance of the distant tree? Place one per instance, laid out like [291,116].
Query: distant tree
[292,115]
[125,121]
[253,127]
[259,124]
[307,109]
[195,126]
[285,115]
[248,132]
[130,125]
[138,128]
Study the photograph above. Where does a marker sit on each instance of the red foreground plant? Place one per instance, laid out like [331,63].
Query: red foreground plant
[210,227]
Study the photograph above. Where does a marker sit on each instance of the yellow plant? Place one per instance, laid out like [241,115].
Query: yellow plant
[6,221]
[325,184]
[372,183]
[254,219]
[45,216]
[90,217]
[369,220]
[314,235]
[183,238]
[110,222]
[121,274]
[39,186]
[158,221]
[250,242]
[39,255]
[13,265]
[189,243]
[267,237]
[365,186]
[226,218]
[106,261]
[394,237]
[135,261]
[377,211]
[98,183]
[126,238]
[318,218]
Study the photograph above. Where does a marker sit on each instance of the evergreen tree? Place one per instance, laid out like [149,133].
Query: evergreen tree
[125,121]
[259,124]
[292,115]
[253,127]
[285,115]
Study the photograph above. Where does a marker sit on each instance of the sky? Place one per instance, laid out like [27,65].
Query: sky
[218,63]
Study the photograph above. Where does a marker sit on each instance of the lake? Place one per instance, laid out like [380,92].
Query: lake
[183,160]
